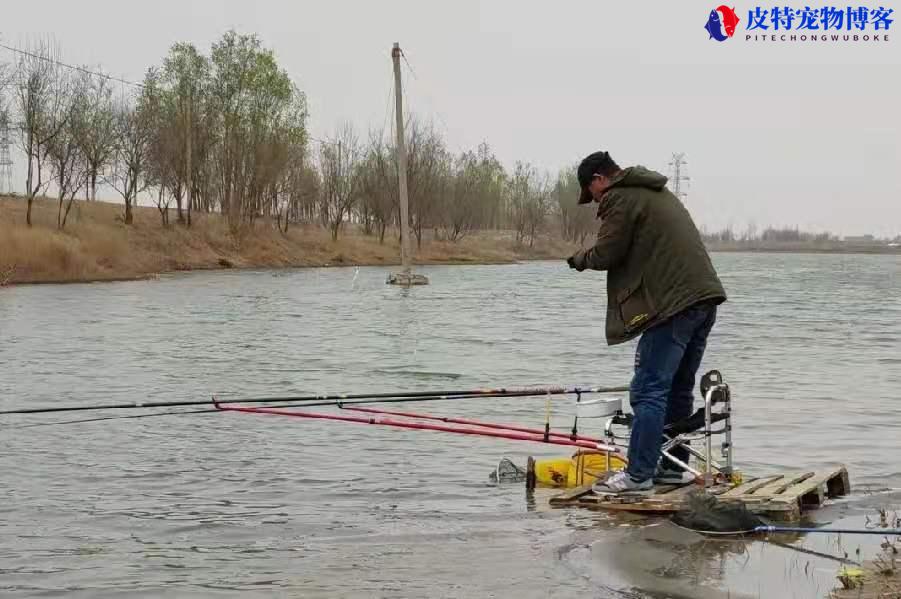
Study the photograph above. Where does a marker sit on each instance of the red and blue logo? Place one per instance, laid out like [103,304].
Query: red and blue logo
[721,23]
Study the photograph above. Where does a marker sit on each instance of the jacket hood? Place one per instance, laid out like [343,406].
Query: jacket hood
[639,176]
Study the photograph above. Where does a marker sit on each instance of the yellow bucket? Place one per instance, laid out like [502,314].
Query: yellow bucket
[583,468]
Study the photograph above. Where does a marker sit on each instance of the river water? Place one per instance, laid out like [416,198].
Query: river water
[241,505]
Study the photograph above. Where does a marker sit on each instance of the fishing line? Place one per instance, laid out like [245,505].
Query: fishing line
[110,418]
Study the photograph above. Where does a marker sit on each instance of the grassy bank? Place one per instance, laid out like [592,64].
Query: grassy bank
[97,246]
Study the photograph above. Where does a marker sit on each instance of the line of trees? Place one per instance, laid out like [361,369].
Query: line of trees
[227,132]
[769,234]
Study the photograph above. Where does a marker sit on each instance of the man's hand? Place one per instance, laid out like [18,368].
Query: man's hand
[574,262]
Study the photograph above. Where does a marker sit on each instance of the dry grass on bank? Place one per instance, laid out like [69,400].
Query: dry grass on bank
[96,245]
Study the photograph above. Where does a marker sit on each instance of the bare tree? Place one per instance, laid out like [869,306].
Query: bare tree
[64,152]
[158,169]
[750,233]
[426,172]
[134,136]
[164,157]
[576,222]
[475,186]
[162,204]
[204,194]
[43,110]
[536,209]
[459,208]
[528,197]
[519,190]
[305,191]
[339,160]
[5,78]
[94,127]
[378,185]
[291,188]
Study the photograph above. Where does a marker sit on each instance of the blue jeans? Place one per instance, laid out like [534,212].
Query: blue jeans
[662,390]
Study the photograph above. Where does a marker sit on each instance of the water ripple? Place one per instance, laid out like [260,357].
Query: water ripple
[246,506]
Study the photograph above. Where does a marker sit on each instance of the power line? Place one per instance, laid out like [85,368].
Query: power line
[105,76]
[387,111]
[409,66]
[73,67]
[428,97]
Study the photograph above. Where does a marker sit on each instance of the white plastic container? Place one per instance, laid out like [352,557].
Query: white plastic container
[602,407]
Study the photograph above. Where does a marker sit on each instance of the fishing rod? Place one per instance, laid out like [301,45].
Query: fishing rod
[848,531]
[794,530]
[528,434]
[489,431]
[708,517]
[336,400]
[214,401]
[214,410]
[452,420]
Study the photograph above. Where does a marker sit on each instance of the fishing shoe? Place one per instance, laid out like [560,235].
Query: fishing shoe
[667,476]
[620,483]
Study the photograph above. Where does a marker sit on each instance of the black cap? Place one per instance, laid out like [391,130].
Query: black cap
[597,163]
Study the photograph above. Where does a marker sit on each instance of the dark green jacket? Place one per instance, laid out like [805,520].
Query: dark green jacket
[656,261]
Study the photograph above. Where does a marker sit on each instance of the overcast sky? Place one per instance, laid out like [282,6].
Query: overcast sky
[775,133]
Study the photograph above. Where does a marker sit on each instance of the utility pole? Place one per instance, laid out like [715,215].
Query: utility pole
[406,276]
[676,165]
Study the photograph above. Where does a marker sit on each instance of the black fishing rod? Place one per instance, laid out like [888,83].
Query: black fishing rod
[795,530]
[708,515]
[334,400]
[307,404]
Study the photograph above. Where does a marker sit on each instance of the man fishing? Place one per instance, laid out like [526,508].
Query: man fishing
[662,286]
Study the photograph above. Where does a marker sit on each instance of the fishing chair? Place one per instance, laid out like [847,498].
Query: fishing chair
[697,427]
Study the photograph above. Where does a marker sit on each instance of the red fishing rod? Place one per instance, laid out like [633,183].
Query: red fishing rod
[489,431]
[451,420]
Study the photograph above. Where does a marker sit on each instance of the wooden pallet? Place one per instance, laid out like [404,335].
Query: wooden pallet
[779,497]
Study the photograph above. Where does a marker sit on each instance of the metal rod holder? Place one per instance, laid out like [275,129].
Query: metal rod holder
[716,393]
[708,436]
